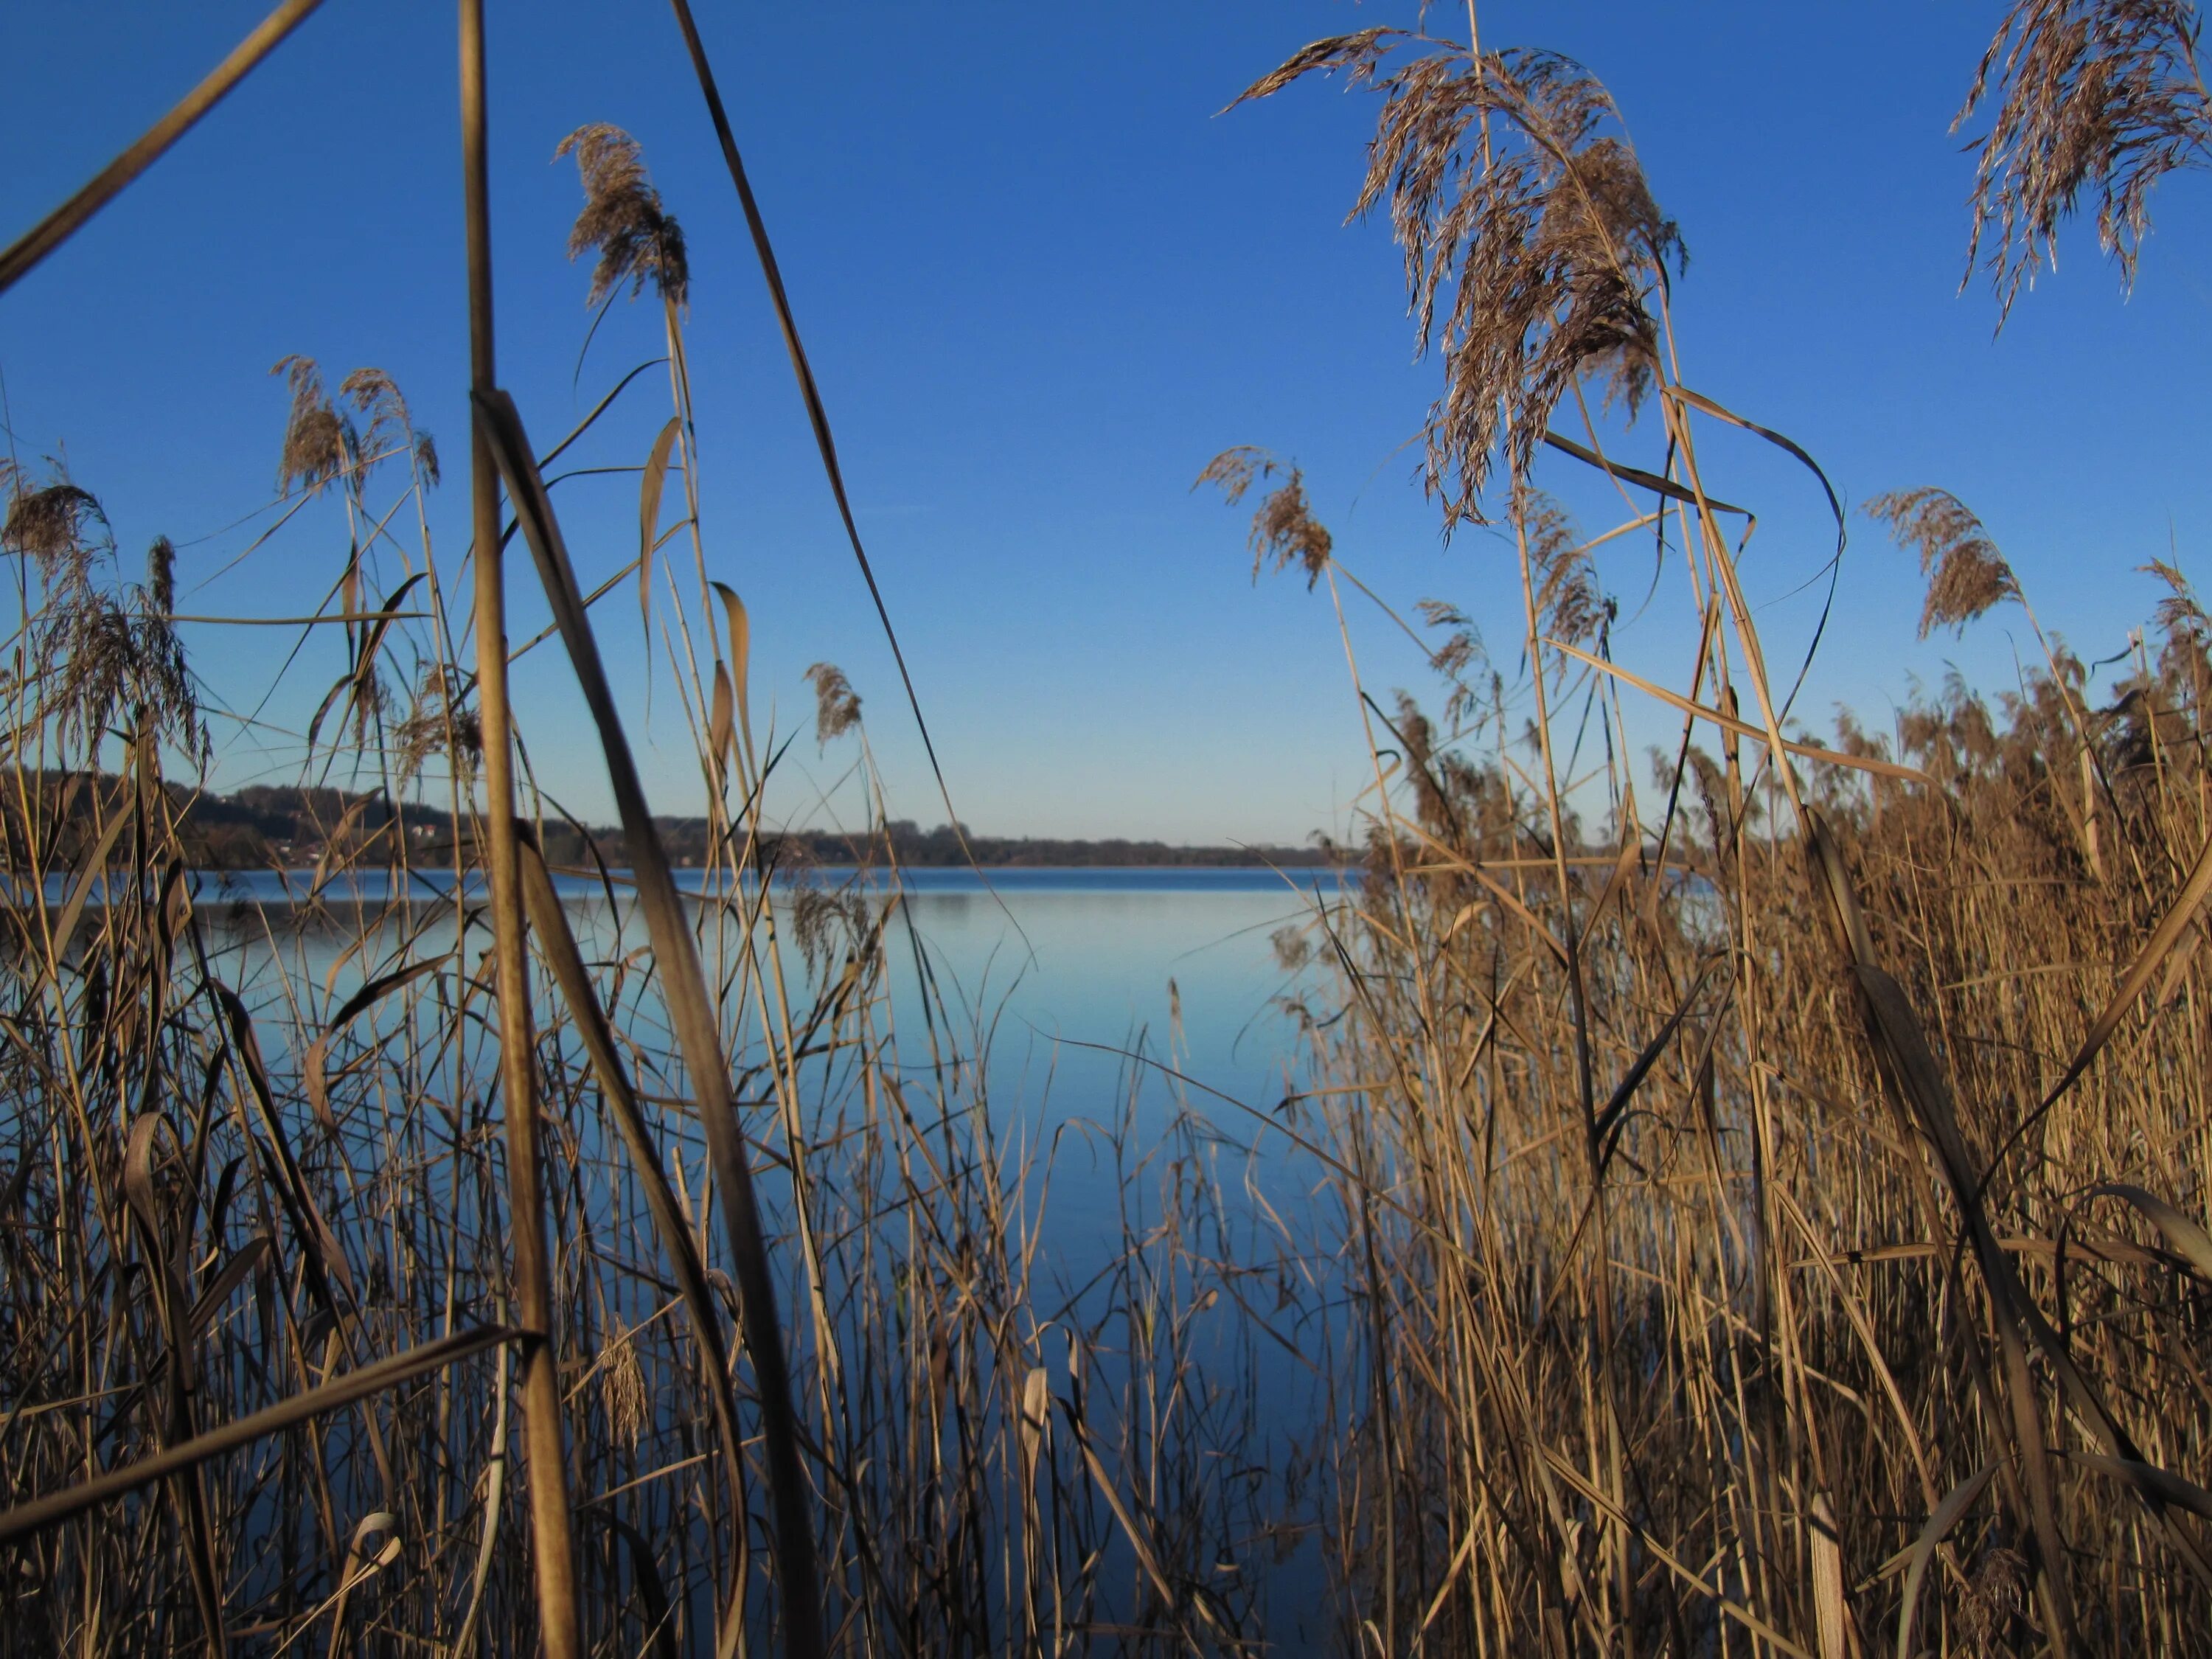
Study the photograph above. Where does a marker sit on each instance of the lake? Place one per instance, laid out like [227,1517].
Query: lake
[1100,996]
[1057,962]
[1106,1004]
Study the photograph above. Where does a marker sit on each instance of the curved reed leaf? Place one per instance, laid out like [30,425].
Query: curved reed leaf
[1932,1532]
[648,522]
[740,625]
[2159,1485]
[2186,1235]
[645,1575]
[89,872]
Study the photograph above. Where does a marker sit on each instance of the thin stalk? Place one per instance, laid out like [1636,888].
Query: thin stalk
[22,256]
[560,1625]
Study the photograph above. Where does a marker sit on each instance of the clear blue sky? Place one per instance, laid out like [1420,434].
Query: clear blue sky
[1043,284]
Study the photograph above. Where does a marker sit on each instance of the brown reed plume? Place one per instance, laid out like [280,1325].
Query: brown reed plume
[836,705]
[2101,96]
[109,651]
[1525,221]
[624,221]
[1966,576]
[318,448]
[1283,528]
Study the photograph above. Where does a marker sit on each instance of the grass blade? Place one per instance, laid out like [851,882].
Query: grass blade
[64,222]
[697,1031]
[41,1513]
[1937,1527]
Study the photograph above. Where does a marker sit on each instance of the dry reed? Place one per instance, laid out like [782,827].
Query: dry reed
[1762,1219]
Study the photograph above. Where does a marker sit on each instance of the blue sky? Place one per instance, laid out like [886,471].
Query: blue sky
[1042,284]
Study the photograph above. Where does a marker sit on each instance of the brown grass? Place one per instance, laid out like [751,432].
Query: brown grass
[1776,1209]
[1754,1208]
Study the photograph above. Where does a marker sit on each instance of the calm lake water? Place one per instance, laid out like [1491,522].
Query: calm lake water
[1102,997]
[1180,958]
[1068,973]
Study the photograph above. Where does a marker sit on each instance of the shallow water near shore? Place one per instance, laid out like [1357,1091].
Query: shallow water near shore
[1055,963]
[1124,1031]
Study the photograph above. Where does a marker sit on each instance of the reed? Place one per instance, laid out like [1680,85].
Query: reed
[1775,1201]
[1754,1205]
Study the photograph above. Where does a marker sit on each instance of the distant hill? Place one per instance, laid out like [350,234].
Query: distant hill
[940,847]
[265,826]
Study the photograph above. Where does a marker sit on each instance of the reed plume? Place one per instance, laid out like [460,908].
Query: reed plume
[1528,227]
[1966,575]
[2105,97]
[1283,528]
[624,221]
[836,705]
[318,448]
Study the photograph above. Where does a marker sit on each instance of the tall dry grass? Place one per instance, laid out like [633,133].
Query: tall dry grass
[430,1263]
[1754,1203]
[1773,1186]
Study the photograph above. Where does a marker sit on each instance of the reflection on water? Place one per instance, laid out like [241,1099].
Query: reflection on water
[1056,979]
[1086,956]
[1058,976]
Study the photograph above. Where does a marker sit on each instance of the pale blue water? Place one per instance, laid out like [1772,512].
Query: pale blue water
[1110,1002]
[1050,957]
[1098,994]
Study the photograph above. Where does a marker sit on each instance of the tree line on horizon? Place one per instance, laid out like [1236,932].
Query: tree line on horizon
[278,826]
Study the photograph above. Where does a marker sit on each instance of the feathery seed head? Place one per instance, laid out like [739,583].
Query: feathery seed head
[1283,528]
[1533,248]
[162,575]
[1967,574]
[390,429]
[317,443]
[1457,656]
[836,705]
[623,1391]
[1571,604]
[828,925]
[2098,95]
[2179,613]
[636,238]
[440,721]
[60,527]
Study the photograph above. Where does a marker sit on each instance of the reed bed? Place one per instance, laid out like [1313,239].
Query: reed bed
[1750,1208]
[1773,1187]
[455,1269]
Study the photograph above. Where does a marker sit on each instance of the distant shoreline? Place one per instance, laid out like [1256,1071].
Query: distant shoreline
[290,892]
[263,828]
